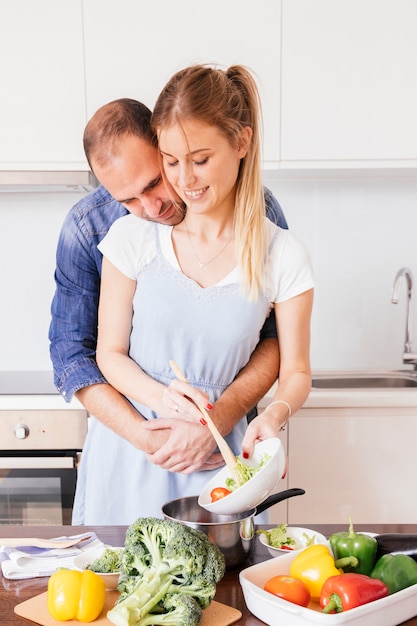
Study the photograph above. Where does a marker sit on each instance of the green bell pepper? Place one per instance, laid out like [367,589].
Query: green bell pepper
[397,571]
[363,547]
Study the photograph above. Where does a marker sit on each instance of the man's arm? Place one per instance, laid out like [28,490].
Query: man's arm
[118,414]
[249,387]
[73,331]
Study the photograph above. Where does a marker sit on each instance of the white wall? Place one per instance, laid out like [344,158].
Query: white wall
[360,230]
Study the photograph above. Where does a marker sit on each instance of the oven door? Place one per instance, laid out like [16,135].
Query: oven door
[37,489]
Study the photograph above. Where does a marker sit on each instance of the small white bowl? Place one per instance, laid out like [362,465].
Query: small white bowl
[302,537]
[84,559]
[256,490]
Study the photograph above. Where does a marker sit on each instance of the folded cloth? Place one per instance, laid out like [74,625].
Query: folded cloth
[33,562]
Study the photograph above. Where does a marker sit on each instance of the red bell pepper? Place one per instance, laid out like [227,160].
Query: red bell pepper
[347,591]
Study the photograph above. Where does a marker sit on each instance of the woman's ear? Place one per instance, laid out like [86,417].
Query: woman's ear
[244,140]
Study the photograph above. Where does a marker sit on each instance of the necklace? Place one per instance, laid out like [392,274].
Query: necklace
[200,263]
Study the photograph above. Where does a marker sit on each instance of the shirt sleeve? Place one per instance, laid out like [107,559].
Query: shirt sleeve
[129,244]
[290,271]
[273,209]
[73,327]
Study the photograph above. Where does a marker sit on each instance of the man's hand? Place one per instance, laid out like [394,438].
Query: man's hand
[188,448]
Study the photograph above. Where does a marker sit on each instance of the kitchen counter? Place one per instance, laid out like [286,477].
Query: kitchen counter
[398,397]
[228,590]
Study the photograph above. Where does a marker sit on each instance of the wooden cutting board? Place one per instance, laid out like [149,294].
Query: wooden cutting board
[36,610]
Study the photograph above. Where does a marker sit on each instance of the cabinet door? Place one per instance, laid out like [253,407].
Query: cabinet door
[132,48]
[357,462]
[349,94]
[42,108]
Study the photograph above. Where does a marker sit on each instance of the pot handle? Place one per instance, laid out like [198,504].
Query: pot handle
[278,497]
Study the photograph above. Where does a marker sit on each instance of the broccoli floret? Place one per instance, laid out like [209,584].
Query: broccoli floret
[178,609]
[108,562]
[162,558]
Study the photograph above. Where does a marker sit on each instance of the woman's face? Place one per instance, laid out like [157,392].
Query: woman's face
[201,164]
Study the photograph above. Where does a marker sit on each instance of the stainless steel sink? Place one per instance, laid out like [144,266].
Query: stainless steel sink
[365,380]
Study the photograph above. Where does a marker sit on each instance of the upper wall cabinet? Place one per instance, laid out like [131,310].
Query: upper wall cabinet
[132,49]
[42,106]
[349,92]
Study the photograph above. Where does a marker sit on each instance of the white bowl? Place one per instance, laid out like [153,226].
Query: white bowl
[84,559]
[256,490]
[300,535]
[393,609]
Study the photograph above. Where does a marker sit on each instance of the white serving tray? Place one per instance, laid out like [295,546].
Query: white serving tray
[389,611]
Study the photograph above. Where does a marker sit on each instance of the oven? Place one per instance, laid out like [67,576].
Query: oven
[41,440]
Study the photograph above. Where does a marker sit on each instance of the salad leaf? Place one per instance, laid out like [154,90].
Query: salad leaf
[245,472]
[277,537]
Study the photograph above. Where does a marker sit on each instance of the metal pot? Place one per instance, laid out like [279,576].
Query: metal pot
[233,534]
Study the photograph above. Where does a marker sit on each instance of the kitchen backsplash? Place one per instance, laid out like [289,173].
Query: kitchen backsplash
[360,229]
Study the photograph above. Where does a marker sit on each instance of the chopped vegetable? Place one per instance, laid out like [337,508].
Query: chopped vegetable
[397,571]
[288,588]
[169,573]
[108,562]
[218,493]
[278,537]
[75,595]
[347,591]
[363,547]
[245,472]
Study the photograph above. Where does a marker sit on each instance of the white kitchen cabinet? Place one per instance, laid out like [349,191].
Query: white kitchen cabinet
[42,108]
[349,94]
[132,49]
[357,461]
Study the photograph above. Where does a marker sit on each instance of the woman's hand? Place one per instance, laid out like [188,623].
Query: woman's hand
[264,426]
[180,399]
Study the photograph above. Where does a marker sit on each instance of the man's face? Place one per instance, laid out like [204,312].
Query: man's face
[133,177]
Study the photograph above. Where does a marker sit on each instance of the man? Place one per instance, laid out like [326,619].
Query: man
[121,150]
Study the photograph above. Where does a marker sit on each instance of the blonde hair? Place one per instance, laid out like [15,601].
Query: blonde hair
[228,100]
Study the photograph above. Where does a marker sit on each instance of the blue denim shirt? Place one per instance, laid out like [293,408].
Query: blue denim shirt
[73,328]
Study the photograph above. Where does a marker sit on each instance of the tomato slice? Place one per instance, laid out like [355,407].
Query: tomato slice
[289,588]
[218,493]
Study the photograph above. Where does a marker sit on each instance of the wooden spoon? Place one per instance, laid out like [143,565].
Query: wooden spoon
[226,452]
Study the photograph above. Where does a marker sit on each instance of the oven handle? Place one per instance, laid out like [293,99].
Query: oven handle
[41,462]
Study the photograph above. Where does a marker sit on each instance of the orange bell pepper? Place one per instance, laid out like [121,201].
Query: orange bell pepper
[75,595]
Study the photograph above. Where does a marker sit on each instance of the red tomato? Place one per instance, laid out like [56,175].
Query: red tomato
[219,492]
[289,588]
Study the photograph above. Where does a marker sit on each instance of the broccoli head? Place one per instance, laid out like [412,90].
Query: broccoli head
[163,558]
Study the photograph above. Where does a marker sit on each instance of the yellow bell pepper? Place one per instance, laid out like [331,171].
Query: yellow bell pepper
[314,565]
[75,595]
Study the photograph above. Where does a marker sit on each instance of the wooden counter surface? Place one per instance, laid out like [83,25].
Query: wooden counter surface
[13,592]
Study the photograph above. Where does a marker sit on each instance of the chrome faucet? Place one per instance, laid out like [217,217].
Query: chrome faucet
[408,355]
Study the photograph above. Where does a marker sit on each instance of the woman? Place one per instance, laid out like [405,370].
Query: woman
[219,272]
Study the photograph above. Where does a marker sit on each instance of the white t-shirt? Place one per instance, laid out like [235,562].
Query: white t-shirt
[130,245]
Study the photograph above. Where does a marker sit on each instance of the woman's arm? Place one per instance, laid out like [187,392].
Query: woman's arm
[114,327]
[294,382]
